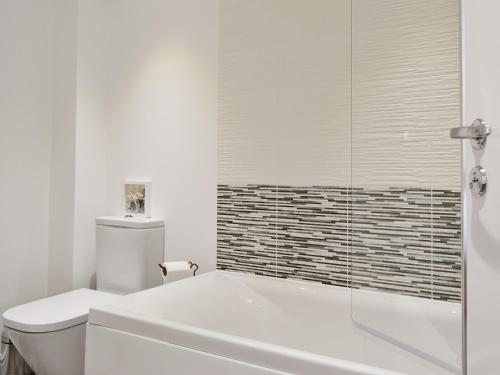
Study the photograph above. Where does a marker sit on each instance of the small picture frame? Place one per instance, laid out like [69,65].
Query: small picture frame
[138,198]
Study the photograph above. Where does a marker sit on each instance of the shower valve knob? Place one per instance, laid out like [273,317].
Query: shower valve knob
[478,181]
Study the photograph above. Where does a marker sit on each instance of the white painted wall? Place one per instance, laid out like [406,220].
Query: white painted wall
[26,97]
[94,93]
[147,109]
[62,176]
[482,95]
[90,146]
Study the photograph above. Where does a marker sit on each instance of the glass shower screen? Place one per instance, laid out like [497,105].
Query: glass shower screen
[406,248]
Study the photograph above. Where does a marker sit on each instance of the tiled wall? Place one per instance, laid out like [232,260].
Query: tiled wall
[315,97]
[284,92]
[405,93]
[406,241]
[296,232]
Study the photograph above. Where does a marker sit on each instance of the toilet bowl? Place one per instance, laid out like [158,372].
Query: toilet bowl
[50,333]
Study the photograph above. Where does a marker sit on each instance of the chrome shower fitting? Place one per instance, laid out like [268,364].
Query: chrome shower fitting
[477,132]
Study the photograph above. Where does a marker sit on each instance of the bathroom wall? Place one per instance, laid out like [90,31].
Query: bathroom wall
[482,242]
[406,171]
[147,109]
[95,93]
[405,93]
[284,82]
[26,95]
[284,143]
[62,174]
[90,148]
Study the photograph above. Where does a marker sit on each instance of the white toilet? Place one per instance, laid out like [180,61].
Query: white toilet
[50,333]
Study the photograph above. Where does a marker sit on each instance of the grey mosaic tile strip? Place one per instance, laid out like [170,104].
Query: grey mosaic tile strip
[447,245]
[405,241]
[246,229]
[312,234]
[391,241]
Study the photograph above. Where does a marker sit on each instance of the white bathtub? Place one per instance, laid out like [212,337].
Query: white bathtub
[229,323]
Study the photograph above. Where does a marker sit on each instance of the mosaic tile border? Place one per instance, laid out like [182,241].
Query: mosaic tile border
[405,241]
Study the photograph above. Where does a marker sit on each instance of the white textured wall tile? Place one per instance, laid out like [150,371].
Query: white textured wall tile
[284,92]
[406,93]
[284,95]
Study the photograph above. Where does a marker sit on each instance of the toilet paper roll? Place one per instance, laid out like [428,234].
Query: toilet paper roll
[173,271]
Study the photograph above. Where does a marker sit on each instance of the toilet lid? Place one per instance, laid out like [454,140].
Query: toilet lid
[54,313]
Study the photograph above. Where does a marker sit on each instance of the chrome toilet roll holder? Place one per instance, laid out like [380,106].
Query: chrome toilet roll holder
[192,265]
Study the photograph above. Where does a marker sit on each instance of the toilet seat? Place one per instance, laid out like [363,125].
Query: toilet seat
[55,313]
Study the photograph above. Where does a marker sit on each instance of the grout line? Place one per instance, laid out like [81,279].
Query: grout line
[276,234]
[432,245]
[348,238]
[350,229]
